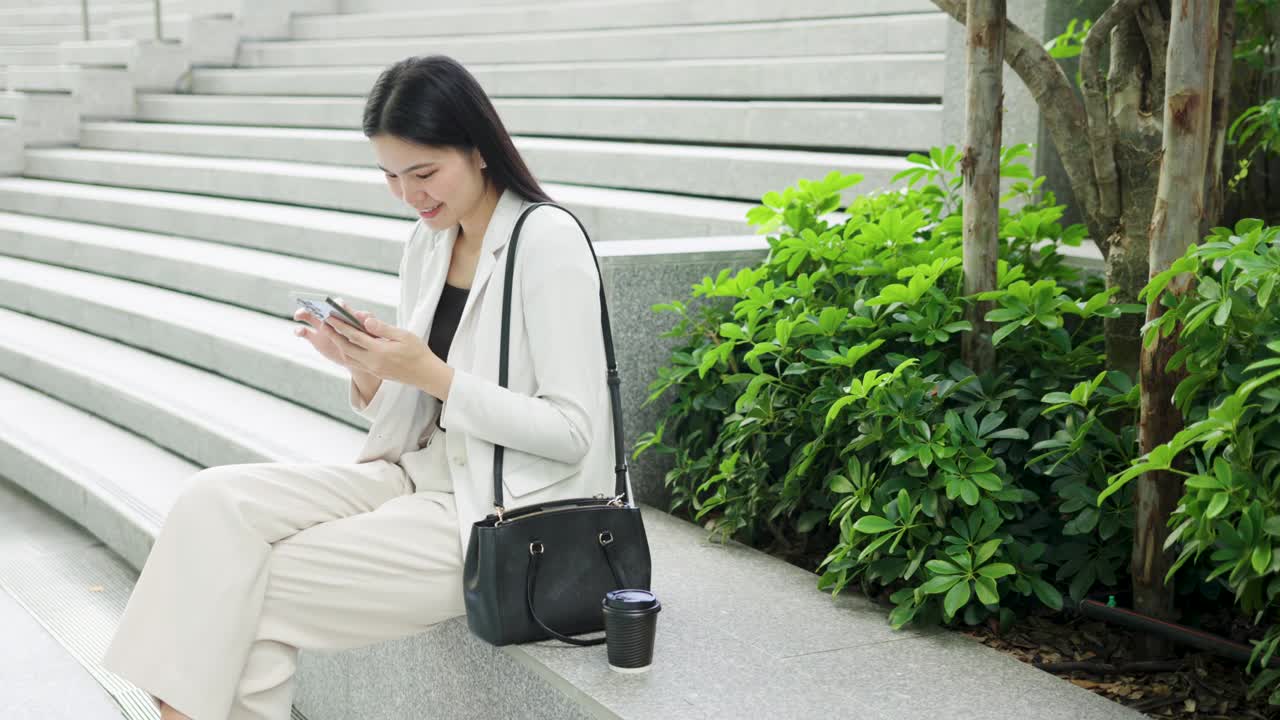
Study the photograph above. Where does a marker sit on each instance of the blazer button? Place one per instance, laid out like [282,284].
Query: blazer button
[459,461]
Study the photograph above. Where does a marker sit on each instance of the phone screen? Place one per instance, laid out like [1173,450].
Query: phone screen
[322,306]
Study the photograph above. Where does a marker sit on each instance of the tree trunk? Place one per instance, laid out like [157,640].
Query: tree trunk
[1175,226]
[1138,134]
[981,170]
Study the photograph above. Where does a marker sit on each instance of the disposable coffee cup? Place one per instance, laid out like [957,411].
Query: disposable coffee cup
[630,623]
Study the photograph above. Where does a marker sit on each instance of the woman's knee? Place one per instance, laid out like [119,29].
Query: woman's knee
[213,487]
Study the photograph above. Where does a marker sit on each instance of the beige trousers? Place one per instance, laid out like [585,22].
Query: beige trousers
[258,560]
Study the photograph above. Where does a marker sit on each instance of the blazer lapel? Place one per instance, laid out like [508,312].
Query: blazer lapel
[496,236]
[431,284]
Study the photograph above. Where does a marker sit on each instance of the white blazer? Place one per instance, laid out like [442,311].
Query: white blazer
[554,417]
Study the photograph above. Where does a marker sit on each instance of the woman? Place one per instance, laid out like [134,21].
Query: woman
[257,560]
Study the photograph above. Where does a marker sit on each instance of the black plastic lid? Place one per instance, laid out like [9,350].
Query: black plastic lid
[630,600]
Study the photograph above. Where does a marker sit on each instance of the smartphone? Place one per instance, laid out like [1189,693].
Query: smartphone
[322,306]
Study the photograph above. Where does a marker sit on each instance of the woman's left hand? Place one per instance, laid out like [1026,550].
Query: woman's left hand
[390,353]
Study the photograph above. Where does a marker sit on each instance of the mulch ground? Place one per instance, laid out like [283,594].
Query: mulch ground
[1097,656]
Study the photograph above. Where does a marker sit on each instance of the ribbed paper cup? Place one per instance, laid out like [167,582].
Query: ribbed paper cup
[630,625]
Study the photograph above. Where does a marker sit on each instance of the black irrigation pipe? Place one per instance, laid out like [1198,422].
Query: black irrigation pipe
[1178,633]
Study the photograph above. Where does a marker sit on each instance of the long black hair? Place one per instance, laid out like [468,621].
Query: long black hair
[434,100]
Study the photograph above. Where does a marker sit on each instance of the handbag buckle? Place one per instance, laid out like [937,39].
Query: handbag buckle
[606,537]
[499,510]
[615,501]
[536,548]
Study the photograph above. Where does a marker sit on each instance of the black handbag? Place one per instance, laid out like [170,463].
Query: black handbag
[541,571]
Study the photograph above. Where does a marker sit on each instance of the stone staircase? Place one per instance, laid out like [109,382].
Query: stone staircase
[146,254]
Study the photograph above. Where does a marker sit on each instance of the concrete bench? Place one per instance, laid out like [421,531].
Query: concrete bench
[741,634]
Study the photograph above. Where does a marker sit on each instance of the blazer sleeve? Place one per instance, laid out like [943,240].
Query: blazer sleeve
[370,410]
[560,301]
[408,288]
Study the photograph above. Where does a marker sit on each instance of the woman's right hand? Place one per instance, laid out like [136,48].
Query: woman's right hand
[322,336]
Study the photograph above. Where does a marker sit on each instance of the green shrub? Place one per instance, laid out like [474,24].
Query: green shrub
[820,409]
[1228,329]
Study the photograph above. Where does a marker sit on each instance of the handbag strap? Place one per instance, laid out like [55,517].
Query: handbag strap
[504,361]
[534,556]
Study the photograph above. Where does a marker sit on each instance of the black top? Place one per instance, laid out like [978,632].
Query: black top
[445,324]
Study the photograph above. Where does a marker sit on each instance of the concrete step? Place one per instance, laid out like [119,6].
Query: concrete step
[728,172]
[42,78]
[849,126]
[49,35]
[12,148]
[106,51]
[21,4]
[252,279]
[580,15]
[174,26]
[205,416]
[254,349]
[608,214]
[898,75]
[910,33]
[364,6]
[61,590]
[896,127]
[29,55]
[69,15]
[165,301]
[121,497]
[340,238]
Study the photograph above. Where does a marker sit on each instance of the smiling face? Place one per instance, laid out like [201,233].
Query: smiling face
[446,181]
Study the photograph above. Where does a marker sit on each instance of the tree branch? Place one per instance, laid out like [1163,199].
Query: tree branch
[1155,32]
[1061,111]
[1214,191]
[1101,140]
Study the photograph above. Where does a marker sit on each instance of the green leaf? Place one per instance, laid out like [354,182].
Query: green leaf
[732,331]
[997,570]
[987,549]
[939,584]
[1272,525]
[1261,558]
[1217,504]
[987,593]
[840,484]
[872,525]
[1004,332]
[956,598]
[1047,593]
[943,567]
[990,422]
[1223,313]
[1009,434]
[988,481]
[836,407]
[809,520]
